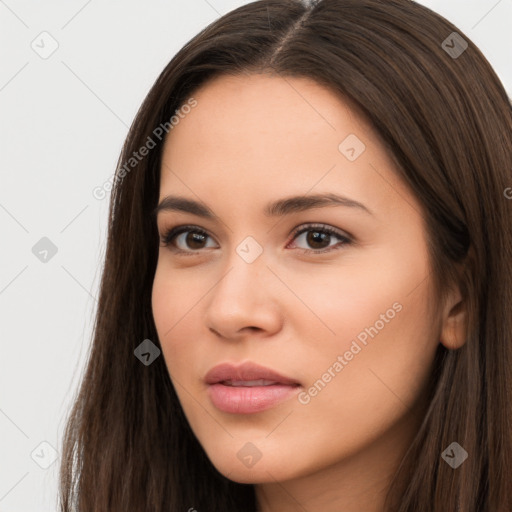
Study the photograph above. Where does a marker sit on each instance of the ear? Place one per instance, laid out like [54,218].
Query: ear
[453,327]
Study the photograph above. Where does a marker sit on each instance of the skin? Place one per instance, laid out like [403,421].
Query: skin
[256,138]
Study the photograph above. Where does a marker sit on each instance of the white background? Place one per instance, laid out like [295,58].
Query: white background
[63,121]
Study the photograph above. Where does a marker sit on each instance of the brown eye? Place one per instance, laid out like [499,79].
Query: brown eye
[194,240]
[186,239]
[319,238]
[190,240]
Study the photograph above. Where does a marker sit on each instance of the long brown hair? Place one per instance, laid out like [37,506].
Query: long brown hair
[446,120]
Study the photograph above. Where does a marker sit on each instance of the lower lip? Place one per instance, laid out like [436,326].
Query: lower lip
[249,399]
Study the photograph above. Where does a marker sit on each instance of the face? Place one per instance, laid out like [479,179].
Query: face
[334,296]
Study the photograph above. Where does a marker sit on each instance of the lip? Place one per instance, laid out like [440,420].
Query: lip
[245,371]
[248,399]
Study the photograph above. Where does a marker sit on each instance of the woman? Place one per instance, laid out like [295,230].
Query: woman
[341,341]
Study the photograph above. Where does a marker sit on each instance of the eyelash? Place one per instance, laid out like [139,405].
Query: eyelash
[171,233]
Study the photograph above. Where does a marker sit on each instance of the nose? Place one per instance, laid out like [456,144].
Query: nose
[245,299]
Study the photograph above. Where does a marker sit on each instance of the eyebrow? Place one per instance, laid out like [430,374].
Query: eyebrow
[277,208]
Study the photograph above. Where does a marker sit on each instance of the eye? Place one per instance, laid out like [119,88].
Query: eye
[319,236]
[190,236]
[193,238]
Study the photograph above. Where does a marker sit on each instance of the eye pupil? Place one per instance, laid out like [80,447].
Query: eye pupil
[315,237]
[194,237]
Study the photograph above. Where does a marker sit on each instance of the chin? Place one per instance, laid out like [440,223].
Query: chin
[239,468]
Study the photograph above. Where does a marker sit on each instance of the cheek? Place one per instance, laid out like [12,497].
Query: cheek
[381,358]
[353,401]
[176,300]
[174,296]
[376,317]
[168,300]
[162,303]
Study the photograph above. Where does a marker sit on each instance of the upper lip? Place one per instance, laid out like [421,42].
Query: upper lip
[244,372]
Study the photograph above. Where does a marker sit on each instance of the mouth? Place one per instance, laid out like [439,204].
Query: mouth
[249,383]
[248,388]
[248,399]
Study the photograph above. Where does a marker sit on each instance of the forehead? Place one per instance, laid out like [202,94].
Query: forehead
[250,135]
[270,103]
[261,116]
